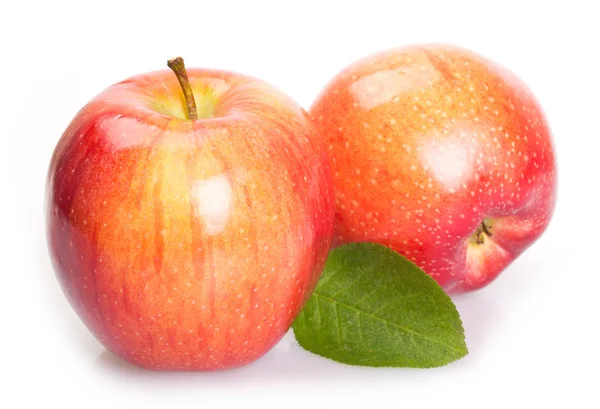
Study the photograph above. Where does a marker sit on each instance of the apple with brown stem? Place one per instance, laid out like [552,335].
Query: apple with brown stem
[441,155]
[187,230]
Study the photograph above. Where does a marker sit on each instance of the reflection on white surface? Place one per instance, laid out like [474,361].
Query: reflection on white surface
[449,161]
[381,87]
[212,202]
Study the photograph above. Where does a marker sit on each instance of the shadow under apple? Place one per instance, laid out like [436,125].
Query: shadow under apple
[287,362]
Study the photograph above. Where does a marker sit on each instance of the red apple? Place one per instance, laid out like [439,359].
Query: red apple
[182,243]
[442,155]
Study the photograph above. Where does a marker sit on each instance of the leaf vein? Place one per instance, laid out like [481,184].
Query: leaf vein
[338,324]
[414,333]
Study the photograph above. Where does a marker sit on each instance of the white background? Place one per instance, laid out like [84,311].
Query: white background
[532,334]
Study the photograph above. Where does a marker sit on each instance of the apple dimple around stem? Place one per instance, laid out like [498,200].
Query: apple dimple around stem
[206,97]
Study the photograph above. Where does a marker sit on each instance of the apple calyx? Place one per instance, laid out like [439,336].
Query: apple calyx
[178,67]
[484,229]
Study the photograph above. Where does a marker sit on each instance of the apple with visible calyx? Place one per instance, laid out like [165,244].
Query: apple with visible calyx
[442,155]
[187,229]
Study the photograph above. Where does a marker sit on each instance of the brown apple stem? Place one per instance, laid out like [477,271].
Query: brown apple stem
[482,230]
[178,67]
[486,229]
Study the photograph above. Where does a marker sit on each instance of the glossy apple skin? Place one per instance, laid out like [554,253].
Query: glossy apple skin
[428,141]
[189,245]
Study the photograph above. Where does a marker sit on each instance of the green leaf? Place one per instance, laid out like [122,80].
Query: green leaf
[373,307]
